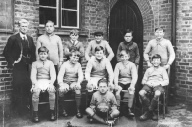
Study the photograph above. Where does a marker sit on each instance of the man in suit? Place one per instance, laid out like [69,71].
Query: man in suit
[20,53]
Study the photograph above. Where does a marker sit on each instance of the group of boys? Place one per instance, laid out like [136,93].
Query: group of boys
[99,72]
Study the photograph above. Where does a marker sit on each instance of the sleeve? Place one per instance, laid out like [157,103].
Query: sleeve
[37,47]
[88,49]
[7,52]
[80,74]
[81,49]
[66,49]
[145,77]
[61,74]
[116,74]
[110,71]
[134,75]
[110,51]
[118,53]
[93,103]
[88,69]
[171,53]
[52,72]
[147,51]
[165,78]
[34,73]
[137,59]
[113,102]
[60,47]
[33,51]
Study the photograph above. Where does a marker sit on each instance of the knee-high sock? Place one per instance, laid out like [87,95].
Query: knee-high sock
[78,100]
[153,103]
[118,98]
[130,100]
[35,101]
[52,100]
[145,102]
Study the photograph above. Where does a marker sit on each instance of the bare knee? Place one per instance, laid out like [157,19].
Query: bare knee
[157,93]
[89,111]
[142,93]
[77,91]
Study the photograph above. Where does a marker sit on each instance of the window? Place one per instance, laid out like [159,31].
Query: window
[64,13]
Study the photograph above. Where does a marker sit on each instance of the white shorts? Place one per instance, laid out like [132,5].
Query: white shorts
[42,84]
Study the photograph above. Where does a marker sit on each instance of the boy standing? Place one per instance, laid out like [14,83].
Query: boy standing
[90,51]
[69,78]
[74,44]
[160,46]
[125,77]
[103,104]
[154,79]
[43,77]
[129,46]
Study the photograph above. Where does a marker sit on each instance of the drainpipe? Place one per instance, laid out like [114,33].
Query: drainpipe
[172,87]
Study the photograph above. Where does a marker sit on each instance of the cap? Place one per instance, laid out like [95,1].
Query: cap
[98,33]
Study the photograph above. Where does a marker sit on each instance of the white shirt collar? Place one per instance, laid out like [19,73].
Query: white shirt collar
[75,42]
[23,36]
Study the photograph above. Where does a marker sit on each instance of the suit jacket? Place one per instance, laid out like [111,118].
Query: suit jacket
[12,49]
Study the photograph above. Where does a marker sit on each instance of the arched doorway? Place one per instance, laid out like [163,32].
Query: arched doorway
[126,14]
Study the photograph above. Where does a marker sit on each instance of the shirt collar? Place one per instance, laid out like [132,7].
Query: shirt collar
[159,40]
[23,35]
[74,42]
[128,43]
[50,35]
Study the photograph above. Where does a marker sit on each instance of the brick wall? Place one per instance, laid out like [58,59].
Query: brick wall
[184,54]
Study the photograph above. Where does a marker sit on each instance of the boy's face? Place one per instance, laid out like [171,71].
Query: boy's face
[98,38]
[156,62]
[159,34]
[103,87]
[128,37]
[43,56]
[74,37]
[124,57]
[99,54]
[74,58]
[49,28]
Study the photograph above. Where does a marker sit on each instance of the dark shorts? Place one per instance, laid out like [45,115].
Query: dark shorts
[124,86]
[150,89]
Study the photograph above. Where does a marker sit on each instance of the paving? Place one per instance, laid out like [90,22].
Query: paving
[178,116]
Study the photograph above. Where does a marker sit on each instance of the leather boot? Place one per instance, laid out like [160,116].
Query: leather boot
[145,116]
[52,115]
[35,116]
[130,113]
[79,114]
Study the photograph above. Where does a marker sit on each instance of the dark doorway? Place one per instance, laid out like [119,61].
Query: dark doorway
[125,14]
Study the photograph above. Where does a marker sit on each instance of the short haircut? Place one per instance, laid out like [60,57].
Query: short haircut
[48,22]
[43,49]
[156,56]
[74,31]
[99,48]
[23,21]
[127,52]
[159,28]
[74,52]
[103,80]
[98,33]
[128,31]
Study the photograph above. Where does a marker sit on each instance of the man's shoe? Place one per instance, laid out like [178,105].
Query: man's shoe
[79,114]
[52,115]
[145,116]
[64,113]
[35,116]
[155,117]
[130,113]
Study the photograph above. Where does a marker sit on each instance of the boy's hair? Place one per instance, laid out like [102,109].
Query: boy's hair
[156,56]
[127,52]
[159,28]
[103,80]
[48,22]
[98,33]
[74,31]
[128,31]
[75,52]
[99,48]
[43,49]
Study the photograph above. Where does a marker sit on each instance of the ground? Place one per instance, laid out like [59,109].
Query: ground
[178,116]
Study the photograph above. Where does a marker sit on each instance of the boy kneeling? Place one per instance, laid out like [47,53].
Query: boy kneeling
[69,78]
[43,77]
[125,77]
[154,79]
[103,104]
